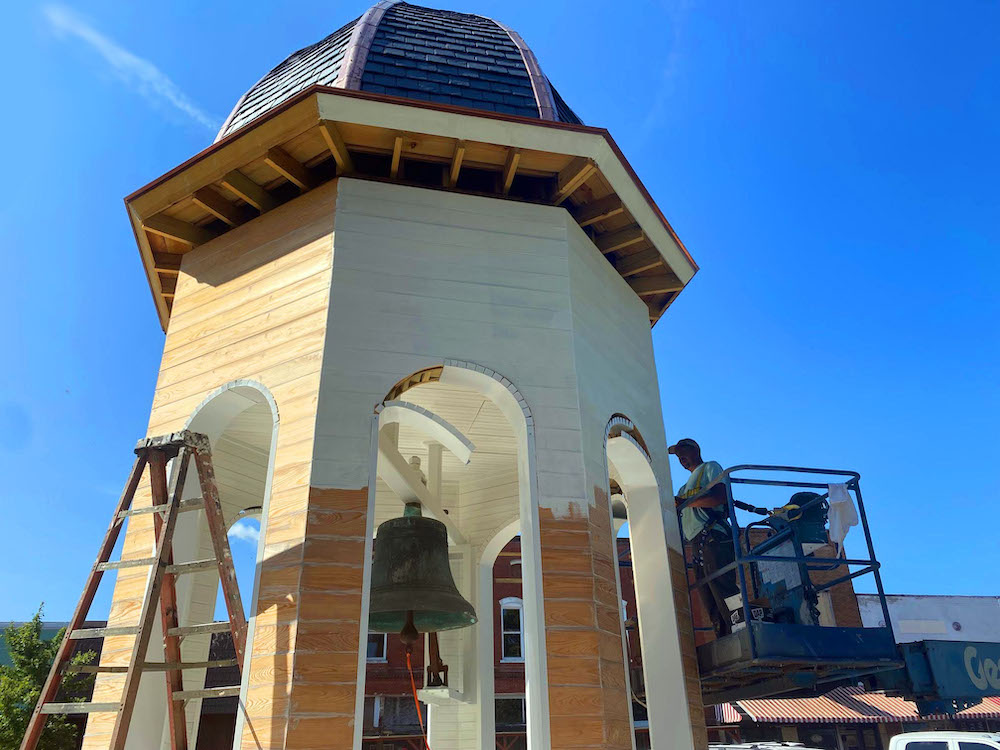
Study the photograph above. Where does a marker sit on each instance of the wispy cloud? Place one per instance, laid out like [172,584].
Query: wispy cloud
[246,531]
[139,74]
[677,13]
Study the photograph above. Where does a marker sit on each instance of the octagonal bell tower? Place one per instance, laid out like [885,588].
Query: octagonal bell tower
[405,244]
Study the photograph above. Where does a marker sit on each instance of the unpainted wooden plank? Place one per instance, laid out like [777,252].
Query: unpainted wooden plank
[598,210]
[647,286]
[174,229]
[213,201]
[639,262]
[397,153]
[335,142]
[620,238]
[238,183]
[292,170]
[572,176]
[456,163]
[510,169]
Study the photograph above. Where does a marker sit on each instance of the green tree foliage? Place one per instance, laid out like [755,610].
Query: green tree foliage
[21,684]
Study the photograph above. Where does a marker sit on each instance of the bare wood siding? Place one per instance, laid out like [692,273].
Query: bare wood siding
[250,305]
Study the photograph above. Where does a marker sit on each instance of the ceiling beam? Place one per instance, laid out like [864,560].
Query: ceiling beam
[408,486]
[641,261]
[599,210]
[510,168]
[620,238]
[648,286]
[337,147]
[238,183]
[213,201]
[571,177]
[175,229]
[167,264]
[291,169]
[456,163]
[397,155]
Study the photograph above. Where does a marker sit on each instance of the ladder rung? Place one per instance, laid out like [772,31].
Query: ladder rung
[93,669]
[193,504]
[208,627]
[171,666]
[219,692]
[117,564]
[103,632]
[80,708]
[193,566]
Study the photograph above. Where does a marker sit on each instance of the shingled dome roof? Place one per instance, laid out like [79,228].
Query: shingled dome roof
[418,53]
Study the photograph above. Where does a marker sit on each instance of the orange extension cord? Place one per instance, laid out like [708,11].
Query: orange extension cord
[416,701]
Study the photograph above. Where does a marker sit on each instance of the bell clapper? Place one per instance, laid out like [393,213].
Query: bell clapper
[409,635]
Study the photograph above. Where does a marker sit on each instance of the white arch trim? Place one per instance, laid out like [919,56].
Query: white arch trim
[662,661]
[429,423]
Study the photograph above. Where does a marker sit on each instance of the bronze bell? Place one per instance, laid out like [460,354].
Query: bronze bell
[411,578]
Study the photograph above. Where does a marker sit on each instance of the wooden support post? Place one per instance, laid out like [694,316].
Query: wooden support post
[212,201]
[175,229]
[510,168]
[337,147]
[397,154]
[599,210]
[571,177]
[620,238]
[456,164]
[248,190]
[292,170]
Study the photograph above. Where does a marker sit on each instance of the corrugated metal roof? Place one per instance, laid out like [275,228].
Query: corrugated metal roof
[846,705]
[416,53]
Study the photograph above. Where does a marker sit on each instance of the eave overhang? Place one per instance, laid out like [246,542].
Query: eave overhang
[324,133]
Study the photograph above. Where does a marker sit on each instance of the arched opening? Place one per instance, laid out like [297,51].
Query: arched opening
[649,618]
[240,421]
[457,440]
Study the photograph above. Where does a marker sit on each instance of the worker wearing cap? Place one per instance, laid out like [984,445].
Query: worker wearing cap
[705,526]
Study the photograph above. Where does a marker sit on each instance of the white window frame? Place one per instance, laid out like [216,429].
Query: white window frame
[385,651]
[512,602]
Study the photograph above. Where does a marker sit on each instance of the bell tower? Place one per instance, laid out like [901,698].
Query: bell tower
[403,244]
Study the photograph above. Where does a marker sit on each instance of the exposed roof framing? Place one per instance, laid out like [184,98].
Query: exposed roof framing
[324,133]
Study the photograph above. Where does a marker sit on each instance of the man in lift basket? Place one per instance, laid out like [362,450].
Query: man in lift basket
[705,526]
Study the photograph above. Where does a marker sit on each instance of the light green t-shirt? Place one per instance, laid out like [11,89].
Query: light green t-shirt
[693,520]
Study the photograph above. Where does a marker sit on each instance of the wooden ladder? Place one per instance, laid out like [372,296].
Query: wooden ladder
[160,595]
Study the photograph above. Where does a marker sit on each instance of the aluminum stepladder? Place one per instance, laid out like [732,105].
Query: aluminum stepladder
[160,598]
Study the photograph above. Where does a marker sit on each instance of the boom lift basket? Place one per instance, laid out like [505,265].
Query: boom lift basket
[789,647]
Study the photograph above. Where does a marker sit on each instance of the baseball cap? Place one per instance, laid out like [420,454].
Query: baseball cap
[684,443]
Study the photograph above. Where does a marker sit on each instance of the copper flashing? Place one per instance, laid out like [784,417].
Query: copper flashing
[356,55]
[539,83]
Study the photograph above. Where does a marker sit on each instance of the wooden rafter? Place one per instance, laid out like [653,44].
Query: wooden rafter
[571,177]
[648,286]
[291,169]
[397,156]
[166,264]
[337,147]
[175,229]
[248,190]
[510,169]
[599,210]
[641,261]
[620,238]
[456,163]
[213,201]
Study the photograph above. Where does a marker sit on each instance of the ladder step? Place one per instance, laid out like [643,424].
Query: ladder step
[151,666]
[208,627]
[118,564]
[193,504]
[103,632]
[192,567]
[218,692]
[80,708]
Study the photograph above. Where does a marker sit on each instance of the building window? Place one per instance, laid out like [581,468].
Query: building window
[511,629]
[510,713]
[376,646]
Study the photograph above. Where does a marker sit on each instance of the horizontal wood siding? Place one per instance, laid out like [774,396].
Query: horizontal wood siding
[250,305]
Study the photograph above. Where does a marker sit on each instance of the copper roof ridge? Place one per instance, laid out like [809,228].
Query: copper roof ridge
[358,46]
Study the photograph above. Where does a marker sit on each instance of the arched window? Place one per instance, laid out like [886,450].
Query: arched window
[511,629]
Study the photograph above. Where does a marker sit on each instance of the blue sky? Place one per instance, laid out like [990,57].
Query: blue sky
[831,166]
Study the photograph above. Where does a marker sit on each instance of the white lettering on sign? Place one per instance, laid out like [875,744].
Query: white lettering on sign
[983,673]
